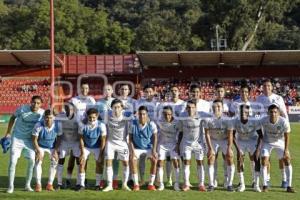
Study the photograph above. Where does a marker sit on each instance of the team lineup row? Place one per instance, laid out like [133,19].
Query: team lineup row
[180,130]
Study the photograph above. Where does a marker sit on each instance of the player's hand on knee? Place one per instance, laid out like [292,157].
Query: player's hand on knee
[286,155]
[55,156]
[38,156]
[210,153]
[81,159]
[229,153]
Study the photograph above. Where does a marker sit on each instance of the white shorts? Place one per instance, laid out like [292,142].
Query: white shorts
[66,147]
[247,146]
[140,152]
[268,147]
[87,151]
[219,144]
[186,151]
[165,150]
[48,151]
[19,146]
[121,150]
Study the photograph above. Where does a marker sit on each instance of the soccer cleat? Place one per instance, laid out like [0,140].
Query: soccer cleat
[108,188]
[225,185]
[28,189]
[210,188]
[215,183]
[60,187]
[185,188]
[202,188]
[241,188]
[230,188]
[136,188]
[290,190]
[10,190]
[253,185]
[176,187]
[151,188]
[169,183]
[68,184]
[256,188]
[49,188]
[79,188]
[161,187]
[102,184]
[38,188]
[125,187]
[284,184]
[115,184]
[269,183]
[265,188]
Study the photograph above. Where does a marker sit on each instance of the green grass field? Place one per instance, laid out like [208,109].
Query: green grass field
[275,192]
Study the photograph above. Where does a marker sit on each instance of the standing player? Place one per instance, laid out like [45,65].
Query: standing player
[167,145]
[117,129]
[218,134]
[276,136]
[23,121]
[43,137]
[92,141]
[248,139]
[128,102]
[266,99]
[68,142]
[188,142]
[143,140]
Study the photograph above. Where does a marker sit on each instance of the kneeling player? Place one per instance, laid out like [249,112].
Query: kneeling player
[188,143]
[143,141]
[92,141]
[167,145]
[248,138]
[117,128]
[218,134]
[43,137]
[276,136]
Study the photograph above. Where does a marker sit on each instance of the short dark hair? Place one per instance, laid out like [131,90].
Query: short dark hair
[219,86]
[143,108]
[48,112]
[194,86]
[148,86]
[168,108]
[218,101]
[246,86]
[115,101]
[244,106]
[36,97]
[273,106]
[92,111]
[192,101]
[84,83]
[268,80]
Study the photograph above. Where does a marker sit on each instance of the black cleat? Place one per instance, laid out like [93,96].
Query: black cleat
[210,188]
[230,188]
[290,190]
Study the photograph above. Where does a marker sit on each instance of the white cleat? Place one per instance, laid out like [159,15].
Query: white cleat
[28,188]
[176,187]
[107,189]
[241,188]
[10,190]
[215,184]
[256,188]
[161,187]
[125,188]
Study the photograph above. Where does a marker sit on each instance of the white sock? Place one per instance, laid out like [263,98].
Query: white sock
[125,174]
[161,175]
[289,174]
[151,179]
[177,175]
[252,165]
[186,170]
[257,175]
[283,174]
[52,172]
[169,170]
[225,172]
[216,170]
[135,179]
[230,172]
[211,169]
[29,173]
[109,172]
[265,175]
[60,169]
[12,171]
[201,175]
[38,172]
[98,179]
[241,177]
[82,179]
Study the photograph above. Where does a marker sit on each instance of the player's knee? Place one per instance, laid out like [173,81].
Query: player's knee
[160,163]
[265,161]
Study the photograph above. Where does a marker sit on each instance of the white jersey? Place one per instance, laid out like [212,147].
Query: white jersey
[218,127]
[168,132]
[248,130]
[203,106]
[274,132]
[152,107]
[69,128]
[266,101]
[117,129]
[82,104]
[103,106]
[190,128]
[235,107]
[129,104]
[178,107]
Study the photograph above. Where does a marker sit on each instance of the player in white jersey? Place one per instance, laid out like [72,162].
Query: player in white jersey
[68,142]
[266,99]
[128,102]
[149,102]
[219,135]
[276,136]
[189,127]
[117,128]
[23,122]
[167,145]
[248,135]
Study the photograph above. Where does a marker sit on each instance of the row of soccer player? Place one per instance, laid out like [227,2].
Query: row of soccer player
[21,139]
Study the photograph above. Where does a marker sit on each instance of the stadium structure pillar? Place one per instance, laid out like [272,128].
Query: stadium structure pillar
[52,50]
